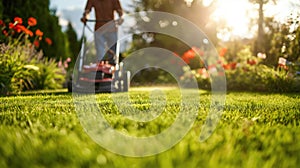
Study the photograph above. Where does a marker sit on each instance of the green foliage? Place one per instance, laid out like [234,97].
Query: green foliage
[1,9]
[74,44]
[49,75]
[15,70]
[152,76]
[22,68]
[261,78]
[260,44]
[256,130]
[247,73]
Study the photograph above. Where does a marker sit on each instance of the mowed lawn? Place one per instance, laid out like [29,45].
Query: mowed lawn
[256,130]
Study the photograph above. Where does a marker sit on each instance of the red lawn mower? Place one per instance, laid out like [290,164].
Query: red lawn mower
[104,77]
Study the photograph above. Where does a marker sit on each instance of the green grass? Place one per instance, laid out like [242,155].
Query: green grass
[256,130]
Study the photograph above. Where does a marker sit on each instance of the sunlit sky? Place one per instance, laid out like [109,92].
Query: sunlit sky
[235,13]
[239,16]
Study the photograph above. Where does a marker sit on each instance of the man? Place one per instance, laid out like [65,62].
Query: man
[104,11]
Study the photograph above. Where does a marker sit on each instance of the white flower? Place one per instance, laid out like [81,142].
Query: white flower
[261,55]
[282,61]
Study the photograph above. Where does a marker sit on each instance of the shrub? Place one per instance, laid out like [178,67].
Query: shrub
[15,68]
[22,67]
[49,75]
[246,73]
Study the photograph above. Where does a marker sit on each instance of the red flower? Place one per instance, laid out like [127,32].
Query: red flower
[251,62]
[223,51]
[36,43]
[11,25]
[48,41]
[18,20]
[233,65]
[187,56]
[2,23]
[18,28]
[32,21]
[5,33]
[29,32]
[226,66]
[22,28]
[38,32]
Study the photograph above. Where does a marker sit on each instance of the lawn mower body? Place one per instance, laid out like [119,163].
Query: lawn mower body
[102,77]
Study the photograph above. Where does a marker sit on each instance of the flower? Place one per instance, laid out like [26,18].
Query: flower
[227,66]
[59,64]
[203,72]
[251,62]
[36,43]
[68,59]
[212,68]
[38,32]
[5,33]
[18,28]
[22,28]
[188,55]
[282,61]
[11,25]
[233,65]
[66,65]
[32,21]
[18,20]
[29,32]
[223,51]
[48,41]
[261,55]
[2,23]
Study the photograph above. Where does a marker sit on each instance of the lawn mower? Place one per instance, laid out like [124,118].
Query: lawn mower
[106,76]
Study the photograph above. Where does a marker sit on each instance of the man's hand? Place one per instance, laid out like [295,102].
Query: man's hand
[83,19]
[120,21]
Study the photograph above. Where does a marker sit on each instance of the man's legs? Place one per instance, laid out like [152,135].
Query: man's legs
[101,40]
[111,38]
[99,45]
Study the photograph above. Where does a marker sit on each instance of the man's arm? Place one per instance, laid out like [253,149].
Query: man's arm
[87,10]
[118,8]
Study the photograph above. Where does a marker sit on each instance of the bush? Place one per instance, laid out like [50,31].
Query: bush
[49,75]
[15,68]
[22,67]
[247,73]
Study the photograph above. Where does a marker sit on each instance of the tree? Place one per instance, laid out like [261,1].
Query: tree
[47,22]
[283,40]
[1,9]
[195,12]
[74,43]
[259,45]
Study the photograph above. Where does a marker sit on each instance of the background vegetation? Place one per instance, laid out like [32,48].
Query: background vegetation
[274,41]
